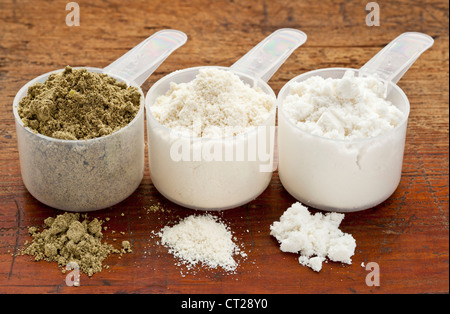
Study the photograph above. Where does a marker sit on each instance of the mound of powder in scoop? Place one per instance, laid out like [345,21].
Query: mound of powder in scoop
[315,237]
[347,108]
[76,104]
[202,239]
[217,103]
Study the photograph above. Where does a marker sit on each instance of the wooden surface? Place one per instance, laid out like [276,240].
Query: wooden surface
[408,235]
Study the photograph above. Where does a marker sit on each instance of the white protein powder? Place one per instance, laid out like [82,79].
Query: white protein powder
[347,108]
[217,103]
[214,105]
[202,239]
[316,237]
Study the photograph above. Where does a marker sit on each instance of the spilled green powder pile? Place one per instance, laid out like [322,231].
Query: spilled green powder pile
[66,239]
[76,104]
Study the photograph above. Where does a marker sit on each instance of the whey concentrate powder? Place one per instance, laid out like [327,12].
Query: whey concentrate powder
[211,135]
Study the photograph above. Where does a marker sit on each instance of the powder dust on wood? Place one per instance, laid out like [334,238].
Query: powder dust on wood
[156,208]
[65,239]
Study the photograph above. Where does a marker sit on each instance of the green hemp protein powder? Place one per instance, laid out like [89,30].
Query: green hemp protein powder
[67,239]
[76,104]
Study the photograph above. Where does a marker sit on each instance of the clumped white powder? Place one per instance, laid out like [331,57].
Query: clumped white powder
[217,103]
[316,237]
[347,108]
[202,239]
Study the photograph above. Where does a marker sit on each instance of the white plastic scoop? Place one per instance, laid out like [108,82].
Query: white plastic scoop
[266,57]
[349,175]
[392,62]
[87,175]
[141,61]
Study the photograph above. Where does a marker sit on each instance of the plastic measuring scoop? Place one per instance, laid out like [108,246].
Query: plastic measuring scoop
[348,175]
[87,175]
[223,181]
[141,61]
[392,62]
[266,57]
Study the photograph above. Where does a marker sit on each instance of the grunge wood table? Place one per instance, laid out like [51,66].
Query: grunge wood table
[407,235]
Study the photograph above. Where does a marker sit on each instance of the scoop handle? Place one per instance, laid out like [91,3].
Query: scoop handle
[141,61]
[266,57]
[392,62]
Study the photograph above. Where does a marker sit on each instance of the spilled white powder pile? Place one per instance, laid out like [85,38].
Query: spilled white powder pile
[347,108]
[316,237]
[215,104]
[202,239]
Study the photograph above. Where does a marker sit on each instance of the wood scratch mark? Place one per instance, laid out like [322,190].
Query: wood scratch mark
[343,12]
[432,190]
[265,14]
[16,244]
[247,218]
[445,27]
[130,232]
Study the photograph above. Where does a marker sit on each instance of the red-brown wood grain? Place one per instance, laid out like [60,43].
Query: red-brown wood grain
[408,235]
